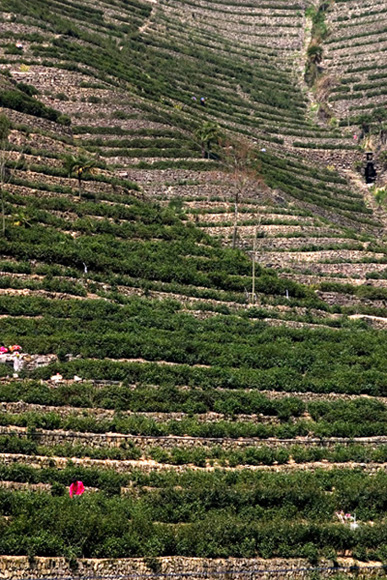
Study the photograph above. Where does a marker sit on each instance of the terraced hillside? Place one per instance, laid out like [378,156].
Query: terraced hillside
[356,56]
[210,411]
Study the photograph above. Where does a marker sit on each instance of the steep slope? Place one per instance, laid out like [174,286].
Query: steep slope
[208,413]
[149,131]
[355,56]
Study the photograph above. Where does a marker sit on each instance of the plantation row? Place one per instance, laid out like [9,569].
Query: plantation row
[206,515]
[168,399]
[333,426]
[201,461]
[159,331]
[276,172]
[28,446]
[173,496]
[339,379]
[164,260]
[168,251]
[346,47]
[222,101]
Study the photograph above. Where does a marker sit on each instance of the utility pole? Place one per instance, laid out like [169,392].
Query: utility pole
[5,128]
[253,272]
[234,234]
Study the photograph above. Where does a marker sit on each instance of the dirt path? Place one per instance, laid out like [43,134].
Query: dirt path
[146,464]
[358,183]
[148,22]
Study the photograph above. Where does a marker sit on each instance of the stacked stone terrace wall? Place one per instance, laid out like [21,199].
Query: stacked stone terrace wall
[36,122]
[23,568]
[102,414]
[111,440]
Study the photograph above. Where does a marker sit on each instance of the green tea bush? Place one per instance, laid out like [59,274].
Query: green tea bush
[22,102]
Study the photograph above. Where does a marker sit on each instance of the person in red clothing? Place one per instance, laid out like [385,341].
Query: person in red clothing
[76,488]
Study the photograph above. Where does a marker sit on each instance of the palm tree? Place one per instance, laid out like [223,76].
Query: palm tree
[80,165]
[315,53]
[207,134]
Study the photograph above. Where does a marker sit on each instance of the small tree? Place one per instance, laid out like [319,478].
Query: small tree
[240,163]
[315,53]
[5,128]
[380,117]
[207,135]
[22,218]
[80,166]
[380,194]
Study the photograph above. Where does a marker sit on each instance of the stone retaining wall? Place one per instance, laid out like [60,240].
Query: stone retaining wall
[36,122]
[108,414]
[273,244]
[23,568]
[112,440]
[150,465]
[319,256]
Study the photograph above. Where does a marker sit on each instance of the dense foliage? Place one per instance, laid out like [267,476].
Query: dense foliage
[198,422]
[194,514]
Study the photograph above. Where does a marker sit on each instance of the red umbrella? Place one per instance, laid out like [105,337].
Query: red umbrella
[3,349]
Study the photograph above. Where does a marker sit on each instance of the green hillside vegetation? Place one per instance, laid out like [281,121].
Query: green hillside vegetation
[209,515]
[209,281]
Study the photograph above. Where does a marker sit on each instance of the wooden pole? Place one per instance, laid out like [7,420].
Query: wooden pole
[234,234]
[253,273]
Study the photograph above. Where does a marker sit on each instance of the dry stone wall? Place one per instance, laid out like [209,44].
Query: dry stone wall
[108,414]
[36,122]
[23,568]
[112,440]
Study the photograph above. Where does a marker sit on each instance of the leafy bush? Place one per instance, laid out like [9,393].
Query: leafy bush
[24,103]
